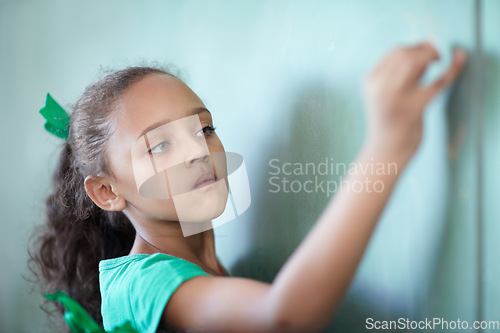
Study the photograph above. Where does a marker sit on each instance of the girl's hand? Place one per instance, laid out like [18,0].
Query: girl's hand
[395,101]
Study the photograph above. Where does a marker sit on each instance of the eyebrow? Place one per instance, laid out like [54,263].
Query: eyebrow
[166,121]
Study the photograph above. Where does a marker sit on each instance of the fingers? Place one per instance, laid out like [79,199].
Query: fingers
[420,56]
[459,59]
[426,52]
[407,64]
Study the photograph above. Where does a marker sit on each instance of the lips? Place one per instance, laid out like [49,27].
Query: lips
[205,180]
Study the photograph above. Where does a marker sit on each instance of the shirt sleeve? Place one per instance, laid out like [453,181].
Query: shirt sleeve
[156,279]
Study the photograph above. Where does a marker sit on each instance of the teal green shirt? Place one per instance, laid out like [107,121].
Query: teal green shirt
[137,287]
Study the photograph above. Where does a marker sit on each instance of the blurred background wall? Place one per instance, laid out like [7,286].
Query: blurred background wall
[282,79]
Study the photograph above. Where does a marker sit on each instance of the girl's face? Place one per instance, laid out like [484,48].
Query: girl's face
[166,160]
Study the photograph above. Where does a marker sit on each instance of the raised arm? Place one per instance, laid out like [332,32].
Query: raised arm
[310,286]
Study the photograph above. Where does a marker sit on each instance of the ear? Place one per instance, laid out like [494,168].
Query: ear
[102,193]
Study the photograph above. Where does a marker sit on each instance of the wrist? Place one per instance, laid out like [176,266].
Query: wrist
[383,156]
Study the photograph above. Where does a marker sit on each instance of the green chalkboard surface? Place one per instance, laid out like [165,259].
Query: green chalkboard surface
[283,82]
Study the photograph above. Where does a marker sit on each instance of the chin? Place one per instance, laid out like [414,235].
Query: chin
[203,204]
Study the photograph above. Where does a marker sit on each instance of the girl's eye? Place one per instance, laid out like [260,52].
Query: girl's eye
[159,148]
[207,130]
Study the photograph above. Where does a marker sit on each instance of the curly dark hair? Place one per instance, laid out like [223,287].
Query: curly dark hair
[77,234]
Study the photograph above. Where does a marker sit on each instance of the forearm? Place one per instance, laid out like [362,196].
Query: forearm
[312,283]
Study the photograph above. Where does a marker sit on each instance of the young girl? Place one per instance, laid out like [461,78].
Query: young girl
[123,256]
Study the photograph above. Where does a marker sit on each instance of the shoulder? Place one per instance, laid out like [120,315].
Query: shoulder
[147,263]
[144,271]
[140,285]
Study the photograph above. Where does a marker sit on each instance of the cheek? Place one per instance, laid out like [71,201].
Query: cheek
[217,151]
[215,144]
[219,161]
[159,209]
[162,209]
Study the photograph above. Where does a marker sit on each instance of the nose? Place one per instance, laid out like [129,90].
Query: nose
[196,150]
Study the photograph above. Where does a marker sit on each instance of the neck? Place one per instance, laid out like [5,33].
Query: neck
[167,237]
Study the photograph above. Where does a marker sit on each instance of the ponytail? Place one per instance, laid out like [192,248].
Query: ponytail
[77,233]
[76,236]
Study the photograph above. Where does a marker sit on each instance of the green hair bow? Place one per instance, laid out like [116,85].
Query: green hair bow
[79,321]
[57,118]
